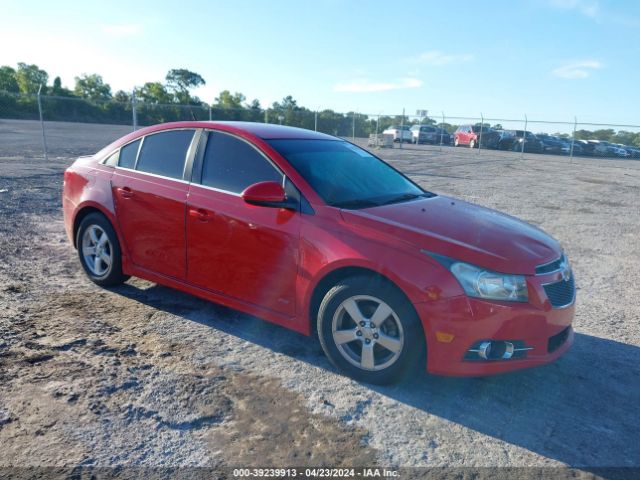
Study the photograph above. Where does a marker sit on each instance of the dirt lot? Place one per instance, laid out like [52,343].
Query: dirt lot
[142,375]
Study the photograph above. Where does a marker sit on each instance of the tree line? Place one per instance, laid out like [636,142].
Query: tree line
[92,100]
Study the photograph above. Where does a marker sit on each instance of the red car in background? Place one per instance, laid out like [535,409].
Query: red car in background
[476,136]
[314,233]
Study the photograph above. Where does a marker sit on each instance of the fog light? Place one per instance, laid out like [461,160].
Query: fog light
[495,350]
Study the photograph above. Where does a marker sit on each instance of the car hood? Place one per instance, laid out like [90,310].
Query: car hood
[463,231]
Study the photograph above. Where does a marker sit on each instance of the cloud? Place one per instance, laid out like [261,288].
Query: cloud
[122,30]
[364,86]
[577,70]
[592,10]
[589,8]
[436,58]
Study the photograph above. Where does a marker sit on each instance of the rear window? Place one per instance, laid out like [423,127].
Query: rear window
[165,153]
[128,155]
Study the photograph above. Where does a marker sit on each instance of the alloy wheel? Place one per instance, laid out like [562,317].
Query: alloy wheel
[367,332]
[97,251]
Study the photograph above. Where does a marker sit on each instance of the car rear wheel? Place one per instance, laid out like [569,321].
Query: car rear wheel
[370,331]
[99,251]
[456,143]
[472,143]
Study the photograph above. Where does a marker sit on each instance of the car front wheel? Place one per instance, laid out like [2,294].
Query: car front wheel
[99,250]
[370,331]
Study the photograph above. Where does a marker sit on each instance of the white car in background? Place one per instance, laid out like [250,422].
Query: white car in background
[400,134]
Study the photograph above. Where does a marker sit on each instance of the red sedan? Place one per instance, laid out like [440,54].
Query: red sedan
[314,233]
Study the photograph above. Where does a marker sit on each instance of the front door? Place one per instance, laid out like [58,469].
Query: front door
[243,251]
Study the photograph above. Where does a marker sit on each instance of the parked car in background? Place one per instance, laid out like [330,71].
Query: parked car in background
[515,139]
[430,134]
[634,152]
[475,135]
[603,148]
[552,144]
[400,133]
[577,147]
[587,147]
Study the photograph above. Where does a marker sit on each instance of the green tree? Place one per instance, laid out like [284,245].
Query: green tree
[228,100]
[92,87]
[30,77]
[450,128]
[57,90]
[154,92]
[8,81]
[604,134]
[122,96]
[288,103]
[292,114]
[255,105]
[180,81]
[584,134]
[624,137]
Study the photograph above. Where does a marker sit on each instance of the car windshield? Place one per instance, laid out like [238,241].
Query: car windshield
[476,129]
[345,175]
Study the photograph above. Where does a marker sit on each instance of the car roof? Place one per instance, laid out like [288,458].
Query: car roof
[266,131]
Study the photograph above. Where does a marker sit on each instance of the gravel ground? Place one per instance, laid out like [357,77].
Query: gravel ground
[143,375]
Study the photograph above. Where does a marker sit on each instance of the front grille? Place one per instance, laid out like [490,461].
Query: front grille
[550,267]
[561,293]
[557,340]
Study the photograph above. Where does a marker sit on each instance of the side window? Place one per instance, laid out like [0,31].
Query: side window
[232,164]
[128,155]
[165,153]
[112,160]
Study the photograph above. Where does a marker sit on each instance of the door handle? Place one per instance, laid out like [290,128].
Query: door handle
[126,192]
[200,214]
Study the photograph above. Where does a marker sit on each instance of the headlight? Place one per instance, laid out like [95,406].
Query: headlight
[481,283]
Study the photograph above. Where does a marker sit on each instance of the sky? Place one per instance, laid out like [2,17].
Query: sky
[548,59]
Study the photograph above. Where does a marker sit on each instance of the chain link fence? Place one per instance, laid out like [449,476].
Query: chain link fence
[523,135]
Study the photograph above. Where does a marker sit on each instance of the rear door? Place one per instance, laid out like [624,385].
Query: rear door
[150,192]
[243,251]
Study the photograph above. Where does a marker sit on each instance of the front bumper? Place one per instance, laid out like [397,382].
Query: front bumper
[453,325]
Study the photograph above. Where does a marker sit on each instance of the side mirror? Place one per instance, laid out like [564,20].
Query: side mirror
[266,194]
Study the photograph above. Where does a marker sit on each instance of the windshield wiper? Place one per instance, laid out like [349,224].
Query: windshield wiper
[405,197]
[355,204]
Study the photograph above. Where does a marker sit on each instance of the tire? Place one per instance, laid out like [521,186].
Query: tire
[456,143]
[394,343]
[472,143]
[99,251]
